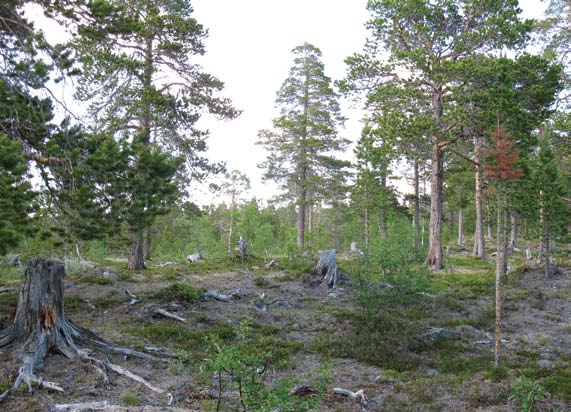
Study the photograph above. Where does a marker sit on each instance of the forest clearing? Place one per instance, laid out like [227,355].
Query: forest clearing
[408,247]
[305,333]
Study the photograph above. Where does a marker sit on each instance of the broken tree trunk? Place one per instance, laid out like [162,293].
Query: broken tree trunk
[40,327]
[327,268]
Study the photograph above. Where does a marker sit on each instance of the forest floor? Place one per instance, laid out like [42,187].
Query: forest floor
[431,353]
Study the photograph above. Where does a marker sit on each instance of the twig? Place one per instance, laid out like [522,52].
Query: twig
[216,295]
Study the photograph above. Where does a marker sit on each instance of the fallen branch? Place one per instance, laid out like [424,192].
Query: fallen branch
[73,407]
[358,397]
[122,371]
[8,289]
[133,297]
[169,315]
[216,295]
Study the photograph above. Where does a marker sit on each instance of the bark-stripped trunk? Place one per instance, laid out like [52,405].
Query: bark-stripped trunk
[479,244]
[434,257]
[416,217]
[460,240]
[136,260]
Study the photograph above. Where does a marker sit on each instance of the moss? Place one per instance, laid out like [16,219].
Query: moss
[112,298]
[262,282]
[130,399]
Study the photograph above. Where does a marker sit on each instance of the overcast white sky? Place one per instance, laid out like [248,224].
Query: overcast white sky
[249,48]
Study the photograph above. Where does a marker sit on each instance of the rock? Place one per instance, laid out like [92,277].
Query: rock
[470,331]
[431,372]
[283,304]
[433,335]
[296,326]
[259,306]
[545,364]
[271,264]
[193,258]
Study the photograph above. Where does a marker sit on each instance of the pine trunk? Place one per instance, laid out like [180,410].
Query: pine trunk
[416,217]
[366,218]
[513,233]
[479,244]
[460,240]
[434,257]
[136,260]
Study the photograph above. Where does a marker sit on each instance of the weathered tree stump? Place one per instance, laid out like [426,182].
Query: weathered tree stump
[39,326]
[327,268]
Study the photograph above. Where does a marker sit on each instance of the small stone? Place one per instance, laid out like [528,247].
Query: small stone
[545,364]
[296,326]
[283,304]
[431,372]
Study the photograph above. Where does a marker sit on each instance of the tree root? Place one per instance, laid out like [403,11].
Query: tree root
[40,327]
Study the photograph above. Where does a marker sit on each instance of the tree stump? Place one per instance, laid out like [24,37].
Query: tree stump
[40,327]
[327,268]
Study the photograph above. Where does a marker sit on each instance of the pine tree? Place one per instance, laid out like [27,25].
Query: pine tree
[425,39]
[140,79]
[305,136]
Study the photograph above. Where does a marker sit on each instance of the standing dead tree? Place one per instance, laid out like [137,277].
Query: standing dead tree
[39,327]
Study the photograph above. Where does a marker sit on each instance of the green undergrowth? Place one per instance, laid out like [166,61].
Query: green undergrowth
[177,292]
[464,285]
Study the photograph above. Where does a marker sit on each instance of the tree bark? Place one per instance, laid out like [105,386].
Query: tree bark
[434,257]
[479,243]
[500,271]
[136,259]
[40,326]
[366,218]
[513,233]
[327,268]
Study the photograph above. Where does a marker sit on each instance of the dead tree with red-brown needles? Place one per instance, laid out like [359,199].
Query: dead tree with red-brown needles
[505,156]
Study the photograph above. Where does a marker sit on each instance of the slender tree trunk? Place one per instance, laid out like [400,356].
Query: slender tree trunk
[434,257]
[513,233]
[479,245]
[310,222]
[460,240]
[366,217]
[545,238]
[416,217]
[301,221]
[451,223]
[500,270]
[136,259]
[384,202]
[489,221]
